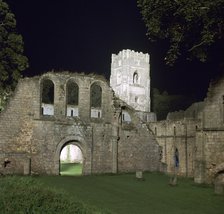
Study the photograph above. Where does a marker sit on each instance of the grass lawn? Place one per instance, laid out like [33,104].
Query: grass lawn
[71,169]
[124,194]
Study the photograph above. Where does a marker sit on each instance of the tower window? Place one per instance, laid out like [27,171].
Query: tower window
[135,78]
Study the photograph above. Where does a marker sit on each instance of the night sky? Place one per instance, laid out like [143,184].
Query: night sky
[81,36]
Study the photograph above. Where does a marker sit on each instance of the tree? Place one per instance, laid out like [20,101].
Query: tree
[191,27]
[12,60]
[163,103]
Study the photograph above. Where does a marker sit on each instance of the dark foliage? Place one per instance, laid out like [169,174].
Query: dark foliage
[12,60]
[191,27]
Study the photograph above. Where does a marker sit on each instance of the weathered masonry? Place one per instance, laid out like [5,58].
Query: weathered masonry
[198,136]
[112,126]
[50,111]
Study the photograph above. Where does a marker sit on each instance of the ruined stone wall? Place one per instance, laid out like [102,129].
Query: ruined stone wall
[178,134]
[16,128]
[210,139]
[198,134]
[209,155]
[144,154]
[32,142]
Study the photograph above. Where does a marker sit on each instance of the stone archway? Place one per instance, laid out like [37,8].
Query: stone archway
[71,160]
[71,140]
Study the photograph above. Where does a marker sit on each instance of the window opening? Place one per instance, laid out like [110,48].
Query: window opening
[176,158]
[96,96]
[135,78]
[48,92]
[72,93]
[47,97]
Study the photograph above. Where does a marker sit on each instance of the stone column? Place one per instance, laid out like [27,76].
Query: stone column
[115,139]
[27,166]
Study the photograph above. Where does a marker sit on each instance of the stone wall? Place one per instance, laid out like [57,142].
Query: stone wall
[31,142]
[210,139]
[198,134]
[178,134]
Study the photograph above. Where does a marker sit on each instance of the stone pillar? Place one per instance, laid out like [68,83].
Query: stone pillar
[219,184]
[115,139]
[114,155]
[199,164]
[27,166]
[199,172]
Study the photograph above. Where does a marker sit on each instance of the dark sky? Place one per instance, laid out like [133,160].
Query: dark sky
[81,36]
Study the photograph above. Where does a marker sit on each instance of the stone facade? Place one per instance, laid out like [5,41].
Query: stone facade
[198,135]
[114,131]
[32,139]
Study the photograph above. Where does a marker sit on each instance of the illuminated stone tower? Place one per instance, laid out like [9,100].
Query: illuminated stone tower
[130,78]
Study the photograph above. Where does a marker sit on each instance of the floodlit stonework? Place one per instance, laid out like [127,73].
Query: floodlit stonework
[198,135]
[34,129]
[130,78]
[111,125]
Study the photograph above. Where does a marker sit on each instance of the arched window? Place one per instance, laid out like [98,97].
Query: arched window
[174,131]
[72,93]
[135,78]
[48,92]
[95,96]
[126,117]
[176,158]
[95,101]
[72,99]
[47,96]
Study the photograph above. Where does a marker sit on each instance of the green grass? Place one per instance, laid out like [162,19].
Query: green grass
[71,169]
[25,195]
[124,194]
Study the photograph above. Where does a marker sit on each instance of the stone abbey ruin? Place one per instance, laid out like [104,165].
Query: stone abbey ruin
[111,124]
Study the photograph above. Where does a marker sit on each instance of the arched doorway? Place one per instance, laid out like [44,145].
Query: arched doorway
[71,160]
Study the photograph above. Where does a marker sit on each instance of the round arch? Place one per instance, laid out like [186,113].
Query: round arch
[74,140]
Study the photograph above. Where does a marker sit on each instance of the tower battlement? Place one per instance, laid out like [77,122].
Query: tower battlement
[126,54]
